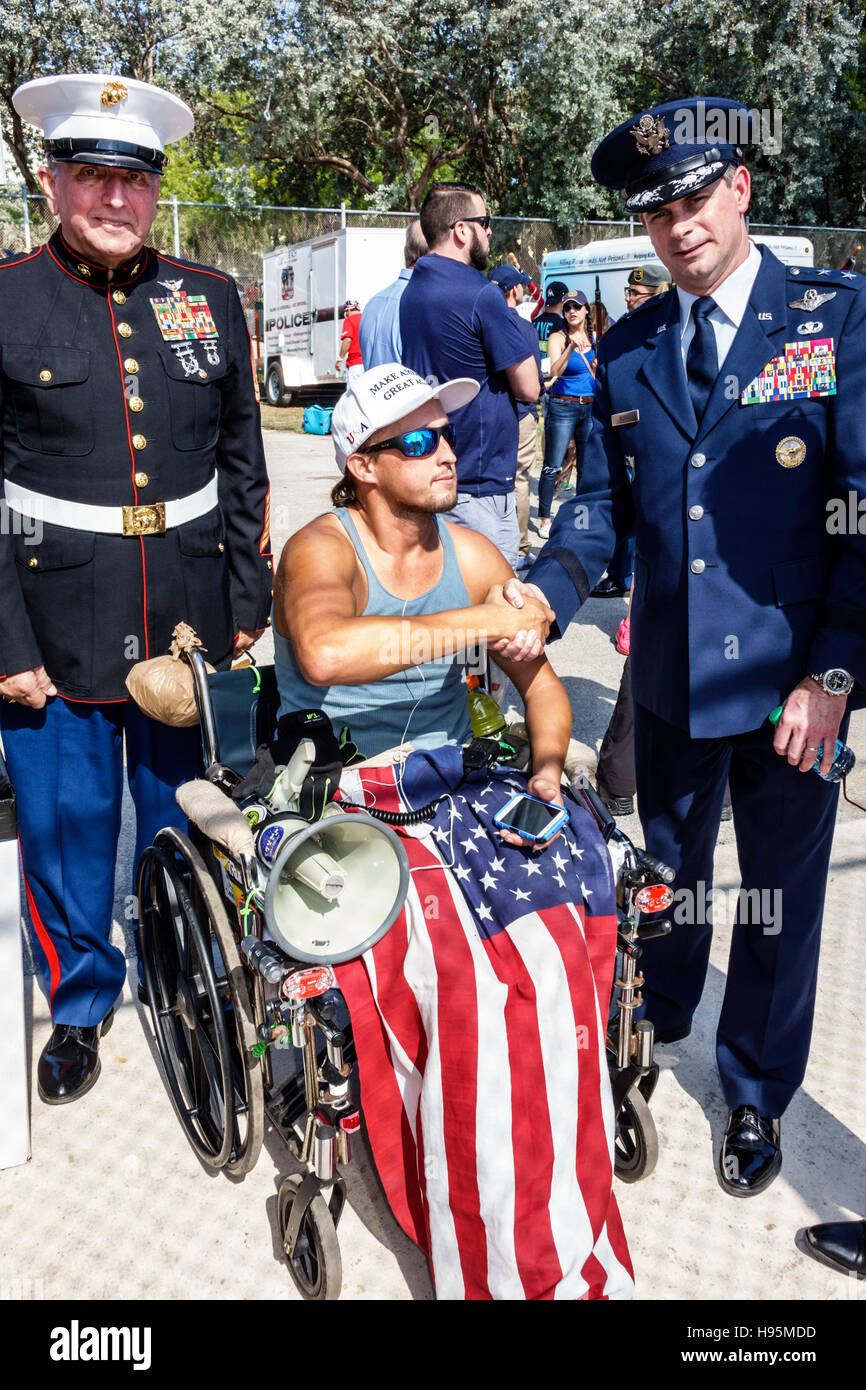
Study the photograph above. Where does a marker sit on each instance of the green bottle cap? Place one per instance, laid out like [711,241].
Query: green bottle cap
[776,714]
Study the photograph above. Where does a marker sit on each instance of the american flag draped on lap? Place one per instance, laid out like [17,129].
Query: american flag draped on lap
[479,1026]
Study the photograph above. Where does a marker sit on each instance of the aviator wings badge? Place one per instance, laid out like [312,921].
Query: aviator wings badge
[811,300]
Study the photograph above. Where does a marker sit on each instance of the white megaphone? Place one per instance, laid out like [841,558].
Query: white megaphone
[335,886]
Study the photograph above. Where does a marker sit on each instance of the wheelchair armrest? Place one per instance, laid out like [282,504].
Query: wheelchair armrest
[217,817]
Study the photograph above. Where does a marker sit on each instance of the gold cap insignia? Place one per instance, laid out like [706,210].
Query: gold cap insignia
[113,93]
[637,274]
[651,135]
[790,451]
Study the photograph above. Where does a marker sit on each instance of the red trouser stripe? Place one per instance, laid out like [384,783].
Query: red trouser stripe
[44,938]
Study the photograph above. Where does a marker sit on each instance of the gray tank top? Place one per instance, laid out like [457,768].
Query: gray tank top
[425,704]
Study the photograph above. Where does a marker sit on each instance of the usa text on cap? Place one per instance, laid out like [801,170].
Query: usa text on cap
[674,149]
[91,118]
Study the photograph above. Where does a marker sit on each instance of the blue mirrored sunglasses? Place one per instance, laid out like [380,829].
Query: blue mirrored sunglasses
[416,444]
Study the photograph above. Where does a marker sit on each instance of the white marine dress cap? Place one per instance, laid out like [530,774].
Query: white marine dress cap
[95,118]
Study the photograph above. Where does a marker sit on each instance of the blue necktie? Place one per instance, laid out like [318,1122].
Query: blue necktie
[702,361]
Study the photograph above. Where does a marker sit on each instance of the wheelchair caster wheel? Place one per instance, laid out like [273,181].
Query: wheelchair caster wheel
[636,1143]
[315,1263]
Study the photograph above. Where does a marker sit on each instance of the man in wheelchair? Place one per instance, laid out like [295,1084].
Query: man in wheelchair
[479,1018]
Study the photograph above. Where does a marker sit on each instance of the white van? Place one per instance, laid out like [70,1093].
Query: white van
[608,263]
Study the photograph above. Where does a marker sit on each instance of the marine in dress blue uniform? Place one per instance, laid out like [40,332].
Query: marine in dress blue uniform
[743,593]
[135,497]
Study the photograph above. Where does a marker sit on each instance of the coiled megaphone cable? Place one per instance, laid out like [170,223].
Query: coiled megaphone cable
[481,753]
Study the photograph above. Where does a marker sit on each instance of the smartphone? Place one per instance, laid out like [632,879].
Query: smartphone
[533,819]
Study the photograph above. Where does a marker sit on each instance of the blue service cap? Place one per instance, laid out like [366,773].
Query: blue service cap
[506,277]
[672,150]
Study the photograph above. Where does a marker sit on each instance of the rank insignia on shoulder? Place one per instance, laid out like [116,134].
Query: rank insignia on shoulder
[182,316]
[805,370]
[812,299]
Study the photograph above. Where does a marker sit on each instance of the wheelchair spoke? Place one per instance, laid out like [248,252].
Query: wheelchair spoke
[200,1007]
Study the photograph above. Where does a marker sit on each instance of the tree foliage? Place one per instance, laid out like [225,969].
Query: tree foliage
[318,101]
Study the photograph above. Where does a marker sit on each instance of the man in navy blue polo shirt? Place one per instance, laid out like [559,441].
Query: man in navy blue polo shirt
[454,322]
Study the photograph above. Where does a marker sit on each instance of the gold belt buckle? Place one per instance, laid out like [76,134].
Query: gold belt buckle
[146,520]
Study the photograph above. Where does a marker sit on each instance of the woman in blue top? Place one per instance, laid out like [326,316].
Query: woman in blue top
[569,412]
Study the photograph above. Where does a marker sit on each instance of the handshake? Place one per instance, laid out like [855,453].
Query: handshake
[519,620]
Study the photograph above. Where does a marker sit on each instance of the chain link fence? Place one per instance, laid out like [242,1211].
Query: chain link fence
[235,240]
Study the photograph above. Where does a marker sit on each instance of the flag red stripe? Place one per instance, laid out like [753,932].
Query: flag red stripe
[457,1032]
[593,1164]
[385,1119]
[532,1141]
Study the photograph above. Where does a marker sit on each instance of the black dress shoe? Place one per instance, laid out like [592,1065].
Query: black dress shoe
[69,1065]
[672,1035]
[617,805]
[751,1153]
[839,1244]
[608,588]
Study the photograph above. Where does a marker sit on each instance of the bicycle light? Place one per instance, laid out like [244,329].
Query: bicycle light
[654,897]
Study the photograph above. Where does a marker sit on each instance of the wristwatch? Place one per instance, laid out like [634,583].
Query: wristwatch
[835,681]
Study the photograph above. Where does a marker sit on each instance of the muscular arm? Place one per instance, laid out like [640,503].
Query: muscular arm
[523,380]
[548,712]
[316,605]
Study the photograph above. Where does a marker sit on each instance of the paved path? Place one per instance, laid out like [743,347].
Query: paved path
[114,1194]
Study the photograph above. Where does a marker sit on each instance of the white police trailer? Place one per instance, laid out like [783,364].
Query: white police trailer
[609,262]
[304,288]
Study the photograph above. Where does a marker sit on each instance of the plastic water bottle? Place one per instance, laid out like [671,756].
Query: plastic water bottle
[843,757]
[486,716]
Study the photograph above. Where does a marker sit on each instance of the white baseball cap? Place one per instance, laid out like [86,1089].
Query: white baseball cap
[382,396]
[92,118]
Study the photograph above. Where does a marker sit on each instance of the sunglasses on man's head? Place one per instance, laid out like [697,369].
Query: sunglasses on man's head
[415,444]
[484,221]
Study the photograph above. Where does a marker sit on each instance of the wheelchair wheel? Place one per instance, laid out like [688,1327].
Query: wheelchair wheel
[316,1265]
[200,1005]
[636,1143]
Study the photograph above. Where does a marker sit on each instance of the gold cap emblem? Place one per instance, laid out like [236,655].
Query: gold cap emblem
[113,93]
[651,135]
[790,451]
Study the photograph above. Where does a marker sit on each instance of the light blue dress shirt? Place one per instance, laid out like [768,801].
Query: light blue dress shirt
[380,324]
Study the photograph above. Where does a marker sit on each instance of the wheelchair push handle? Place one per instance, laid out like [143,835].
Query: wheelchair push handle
[586,792]
[655,868]
[204,704]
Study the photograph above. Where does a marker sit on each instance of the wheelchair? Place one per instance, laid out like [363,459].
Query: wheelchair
[642,889]
[225,1002]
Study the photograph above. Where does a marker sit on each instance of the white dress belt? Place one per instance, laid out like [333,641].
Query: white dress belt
[114,521]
